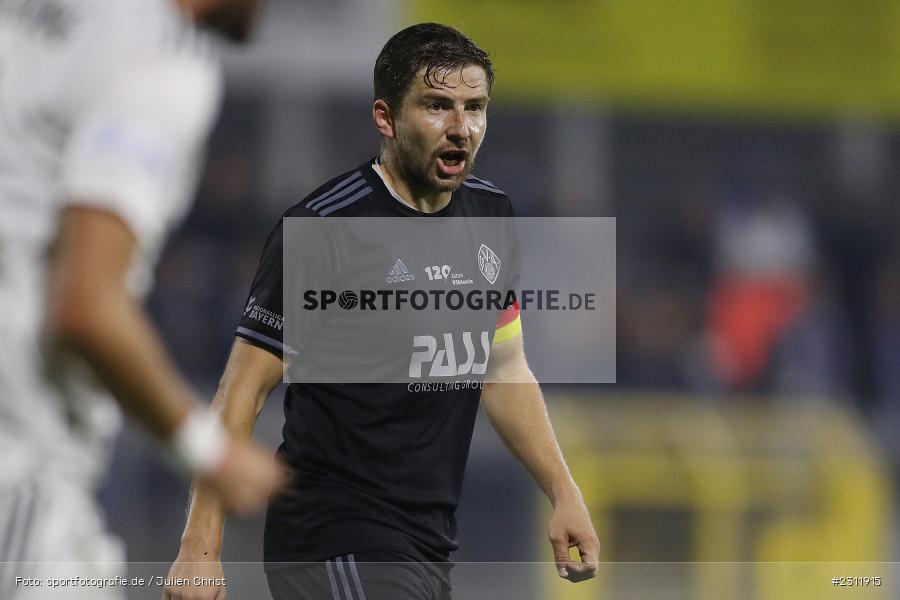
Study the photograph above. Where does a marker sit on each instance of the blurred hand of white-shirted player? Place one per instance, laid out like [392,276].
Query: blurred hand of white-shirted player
[247,478]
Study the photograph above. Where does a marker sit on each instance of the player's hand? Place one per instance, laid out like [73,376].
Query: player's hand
[185,569]
[248,477]
[571,527]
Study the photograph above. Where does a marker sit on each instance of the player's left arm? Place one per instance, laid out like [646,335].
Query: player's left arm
[515,405]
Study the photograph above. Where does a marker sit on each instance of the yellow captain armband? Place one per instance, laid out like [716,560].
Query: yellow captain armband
[506,332]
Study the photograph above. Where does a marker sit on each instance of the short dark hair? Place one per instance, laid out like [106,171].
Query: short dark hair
[439,49]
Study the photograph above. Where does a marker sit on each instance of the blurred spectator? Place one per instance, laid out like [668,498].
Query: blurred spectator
[764,284]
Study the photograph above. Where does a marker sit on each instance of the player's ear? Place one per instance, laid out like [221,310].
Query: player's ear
[384,118]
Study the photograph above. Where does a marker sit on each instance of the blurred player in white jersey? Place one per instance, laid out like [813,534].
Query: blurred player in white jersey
[105,107]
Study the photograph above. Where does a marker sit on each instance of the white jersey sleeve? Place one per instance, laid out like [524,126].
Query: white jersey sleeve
[105,103]
[136,150]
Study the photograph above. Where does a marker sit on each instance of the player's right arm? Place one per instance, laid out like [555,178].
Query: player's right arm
[250,376]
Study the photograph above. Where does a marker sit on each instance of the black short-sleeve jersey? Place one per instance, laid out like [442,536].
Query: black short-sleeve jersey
[377,466]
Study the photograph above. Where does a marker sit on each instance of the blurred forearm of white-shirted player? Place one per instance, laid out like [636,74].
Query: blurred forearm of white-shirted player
[515,406]
[92,312]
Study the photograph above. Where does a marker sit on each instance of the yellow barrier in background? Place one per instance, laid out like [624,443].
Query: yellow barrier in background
[792,57]
[742,500]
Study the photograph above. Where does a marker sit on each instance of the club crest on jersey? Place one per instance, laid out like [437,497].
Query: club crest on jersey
[489,263]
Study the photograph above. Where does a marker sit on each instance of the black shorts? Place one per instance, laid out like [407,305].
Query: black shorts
[376,575]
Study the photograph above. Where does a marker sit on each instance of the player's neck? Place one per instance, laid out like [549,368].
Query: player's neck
[422,199]
[195,9]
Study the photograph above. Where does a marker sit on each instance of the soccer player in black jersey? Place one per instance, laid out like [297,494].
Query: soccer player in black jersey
[378,467]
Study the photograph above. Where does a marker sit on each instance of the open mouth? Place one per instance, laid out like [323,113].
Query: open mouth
[452,162]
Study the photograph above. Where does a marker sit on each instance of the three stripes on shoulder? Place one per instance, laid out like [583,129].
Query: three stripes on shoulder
[482,184]
[346,192]
[354,187]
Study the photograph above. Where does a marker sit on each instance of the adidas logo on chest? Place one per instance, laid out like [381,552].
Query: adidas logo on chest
[399,273]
